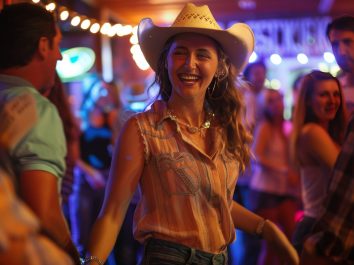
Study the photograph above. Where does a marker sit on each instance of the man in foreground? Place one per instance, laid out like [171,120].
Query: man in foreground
[28,56]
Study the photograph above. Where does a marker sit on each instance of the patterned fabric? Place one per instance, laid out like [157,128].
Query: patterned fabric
[334,233]
[19,232]
[186,193]
[43,148]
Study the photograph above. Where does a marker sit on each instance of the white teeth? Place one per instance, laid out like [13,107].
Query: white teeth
[188,77]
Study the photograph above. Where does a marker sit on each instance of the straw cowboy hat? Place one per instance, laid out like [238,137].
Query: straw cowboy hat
[237,41]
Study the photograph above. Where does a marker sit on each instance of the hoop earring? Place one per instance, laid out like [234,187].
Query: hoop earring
[221,91]
[226,85]
[211,90]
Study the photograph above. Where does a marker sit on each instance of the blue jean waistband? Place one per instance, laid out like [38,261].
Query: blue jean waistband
[158,251]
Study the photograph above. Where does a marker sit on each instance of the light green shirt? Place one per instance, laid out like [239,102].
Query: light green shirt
[43,147]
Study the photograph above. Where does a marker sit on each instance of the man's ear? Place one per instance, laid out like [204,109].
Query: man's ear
[43,47]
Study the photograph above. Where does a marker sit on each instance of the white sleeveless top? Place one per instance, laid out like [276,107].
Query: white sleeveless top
[269,180]
[314,182]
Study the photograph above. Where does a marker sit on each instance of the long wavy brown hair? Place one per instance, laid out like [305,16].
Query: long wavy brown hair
[304,114]
[224,99]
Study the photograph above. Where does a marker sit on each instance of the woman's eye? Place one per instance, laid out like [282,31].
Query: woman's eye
[179,52]
[205,56]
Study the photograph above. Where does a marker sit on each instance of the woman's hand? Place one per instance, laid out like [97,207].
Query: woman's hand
[279,242]
[96,180]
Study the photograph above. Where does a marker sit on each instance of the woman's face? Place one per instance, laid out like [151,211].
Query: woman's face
[192,62]
[257,77]
[273,102]
[325,100]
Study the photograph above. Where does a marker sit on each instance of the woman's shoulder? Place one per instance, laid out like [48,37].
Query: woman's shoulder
[264,124]
[317,144]
[313,136]
[312,132]
[263,127]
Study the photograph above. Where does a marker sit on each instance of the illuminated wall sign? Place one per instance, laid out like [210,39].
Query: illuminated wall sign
[289,37]
[76,62]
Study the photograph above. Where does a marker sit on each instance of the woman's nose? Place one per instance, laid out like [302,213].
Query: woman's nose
[332,99]
[190,61]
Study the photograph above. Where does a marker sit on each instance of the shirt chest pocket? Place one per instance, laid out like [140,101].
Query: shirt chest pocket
[178,173]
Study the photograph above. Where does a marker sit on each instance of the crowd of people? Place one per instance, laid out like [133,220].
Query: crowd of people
[171,184]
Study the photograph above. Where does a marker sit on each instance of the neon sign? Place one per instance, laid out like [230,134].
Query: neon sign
[76,62]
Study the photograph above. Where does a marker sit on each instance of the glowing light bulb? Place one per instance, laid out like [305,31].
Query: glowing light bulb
[329,57]
[253,57]
[302,58]
[275,59]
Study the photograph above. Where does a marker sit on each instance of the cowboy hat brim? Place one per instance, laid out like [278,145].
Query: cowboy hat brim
[236,41]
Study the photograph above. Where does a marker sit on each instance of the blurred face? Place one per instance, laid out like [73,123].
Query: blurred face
[192,62]
[273,102]
[53,56]
[326,100]
[97,118]
[342,42]
[257,77]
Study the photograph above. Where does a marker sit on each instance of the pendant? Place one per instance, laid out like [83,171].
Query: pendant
[206,125]
[191,129]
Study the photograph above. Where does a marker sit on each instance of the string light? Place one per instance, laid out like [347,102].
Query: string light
[85,24]
[95,27]
[51,7]
[64,15]
[105,28]
[134,39]
[75,21]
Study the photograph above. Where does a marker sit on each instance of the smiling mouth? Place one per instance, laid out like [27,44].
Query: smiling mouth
[188,77]
[332,109]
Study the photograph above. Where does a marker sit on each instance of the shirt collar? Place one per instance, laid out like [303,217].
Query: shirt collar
[7,81]
[159,107]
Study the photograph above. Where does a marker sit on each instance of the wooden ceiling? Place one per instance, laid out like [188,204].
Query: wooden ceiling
[164,11]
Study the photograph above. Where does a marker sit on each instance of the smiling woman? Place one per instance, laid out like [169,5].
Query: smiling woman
[319,125]
[184,154]
[192,63]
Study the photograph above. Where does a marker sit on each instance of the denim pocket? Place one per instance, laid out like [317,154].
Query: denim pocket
[179,173]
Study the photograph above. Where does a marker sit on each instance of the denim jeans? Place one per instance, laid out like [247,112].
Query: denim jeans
[161,252]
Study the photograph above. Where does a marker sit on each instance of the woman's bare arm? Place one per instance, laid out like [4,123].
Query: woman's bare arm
[126,169]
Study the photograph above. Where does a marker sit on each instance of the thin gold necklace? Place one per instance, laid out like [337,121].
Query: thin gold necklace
[190,128]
